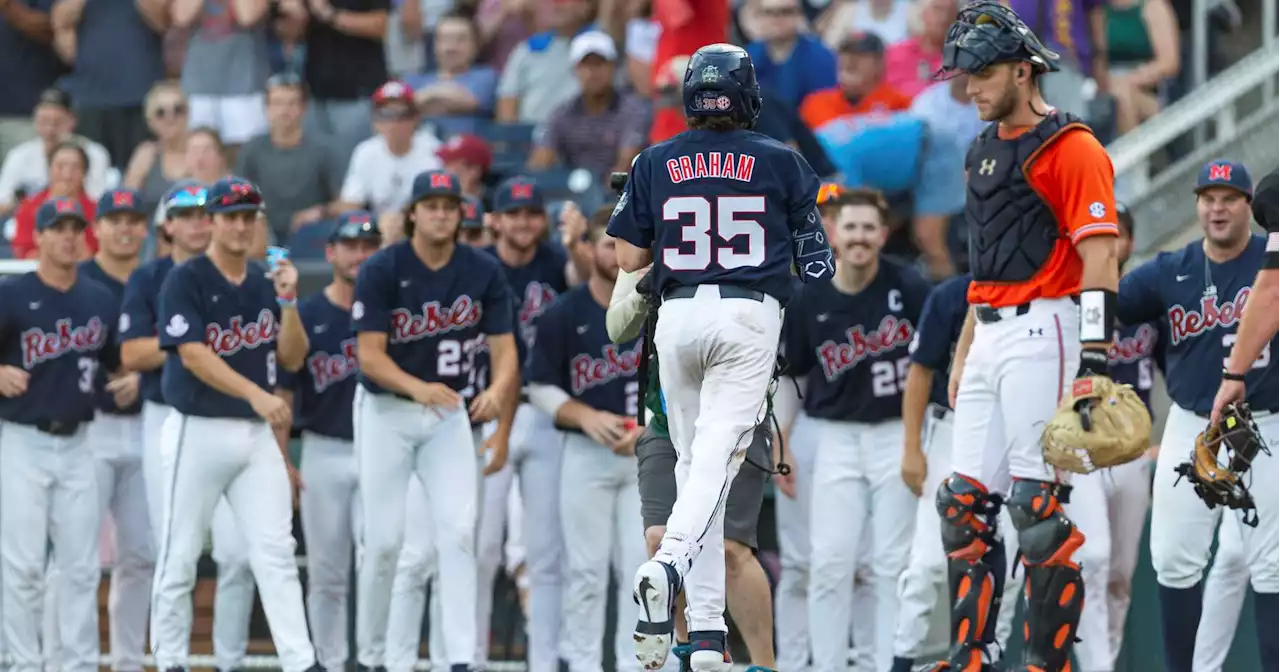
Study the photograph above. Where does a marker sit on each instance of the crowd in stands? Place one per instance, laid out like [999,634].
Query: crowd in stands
[331,105]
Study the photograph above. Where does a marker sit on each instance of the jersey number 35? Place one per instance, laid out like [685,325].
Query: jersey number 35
[711,223]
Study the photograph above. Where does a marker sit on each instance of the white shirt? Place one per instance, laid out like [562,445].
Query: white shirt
[27,167]
[943,112]
[891,29]
[383,180]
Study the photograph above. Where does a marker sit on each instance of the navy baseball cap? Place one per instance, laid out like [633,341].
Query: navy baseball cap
[56,210]
[472,213]
[1231,174]
[518,192]
[233,194]
[116,201]
[184,195]
[355,225]
[435,183]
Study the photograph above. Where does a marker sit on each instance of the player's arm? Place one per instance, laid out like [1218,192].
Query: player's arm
[929,350]
[1100,284]
[139,346]
[371,318]
[631,223]
[498,325]
[809,246]
[292,344]
[371,347]
[624,320]
[180,313]
[282,431]
[1260,319]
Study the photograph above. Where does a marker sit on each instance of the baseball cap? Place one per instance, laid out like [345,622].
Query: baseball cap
[1125,216]
[472,213]
[435,183]
[518,192]
[592,42]
[469,148]
[1221,173]
[55,210]
[829,191]
[861,43]
[233,194]
[394,100]
[183,195]
[355,225]
[115,201]
[56,97]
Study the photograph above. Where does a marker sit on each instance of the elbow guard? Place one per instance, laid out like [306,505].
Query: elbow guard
[812,254]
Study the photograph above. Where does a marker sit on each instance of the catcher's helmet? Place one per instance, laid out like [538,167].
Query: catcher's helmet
[986,33]
[720,81]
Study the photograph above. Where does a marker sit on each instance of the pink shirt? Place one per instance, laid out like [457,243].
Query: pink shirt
[909,68]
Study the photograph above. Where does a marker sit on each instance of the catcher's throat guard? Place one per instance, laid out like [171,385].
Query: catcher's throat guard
[1222,456]
[1100,424]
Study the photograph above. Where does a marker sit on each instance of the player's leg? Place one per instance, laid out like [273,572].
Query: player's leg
[1181,533]
[448,467]
[1088,510]
[838,487]
[75,517]
[513,550]
[1128,500]
[746,585]
[328,470]
[154,471]
[656,480]
[414,570]
[26,461]
[233,596]
[862,626]
[627,530]
[891,517]
[489,535]
[1262,543]
[791,515]
[587,514]
[105,474]
[1226,587]
[130,598]
[261,499]
[539,483]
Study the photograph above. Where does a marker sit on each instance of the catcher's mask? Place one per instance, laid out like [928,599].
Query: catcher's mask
[986,33]
[1235,440]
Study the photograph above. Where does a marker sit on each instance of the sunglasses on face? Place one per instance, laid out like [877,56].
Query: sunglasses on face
[778,11]
[168,112]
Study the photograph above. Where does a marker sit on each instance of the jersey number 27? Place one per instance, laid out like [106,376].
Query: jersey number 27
[711,222]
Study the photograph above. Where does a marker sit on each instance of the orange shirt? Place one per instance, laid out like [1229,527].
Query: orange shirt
[24,234]
[830,105]
[1074,176]
[687,25]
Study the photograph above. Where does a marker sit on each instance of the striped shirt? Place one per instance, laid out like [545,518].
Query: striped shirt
[592,141]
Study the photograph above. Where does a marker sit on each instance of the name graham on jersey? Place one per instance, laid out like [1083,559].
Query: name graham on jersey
[435,319]
[720,165]
[837,358]
[238,335]
[1184,323]
[330,369]
[1133,348]
[588,371]
[40,346]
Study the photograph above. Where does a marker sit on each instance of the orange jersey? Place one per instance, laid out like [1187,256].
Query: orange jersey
[1073,175]
[823,108]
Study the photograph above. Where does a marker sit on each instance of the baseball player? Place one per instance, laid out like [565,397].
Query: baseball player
[56,332]
[323,392]
[588,385]
[226,325]
[188,227]
[474,232]
[421,307]
[848,339]
[714,209]
[116,437]
[1040,211]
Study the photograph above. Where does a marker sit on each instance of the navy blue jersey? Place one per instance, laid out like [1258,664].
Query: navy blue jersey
[325,386]
[718,208]
[240,323]
[1197,304]
[938,331]
[573,352]
[61,339]
[853,347]
[1132,358]
[106,401]
[140,314]
[535,287]
[434,320]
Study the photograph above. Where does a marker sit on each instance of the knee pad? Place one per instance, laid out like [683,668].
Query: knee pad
[969,516]
[975,566]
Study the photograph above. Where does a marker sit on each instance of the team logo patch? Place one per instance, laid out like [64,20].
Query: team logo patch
[587,371]
[836,358]
[1187,323]
[330,369]
[41,346]
[125,323]
[177,326]
[1097,210]
[357,310]
[622,204]
[238,335]
[435,319]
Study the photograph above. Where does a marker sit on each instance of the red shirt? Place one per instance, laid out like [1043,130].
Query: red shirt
[687,25]
[24,235]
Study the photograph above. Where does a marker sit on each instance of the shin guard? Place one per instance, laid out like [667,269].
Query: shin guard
[975,569]
[1054,589]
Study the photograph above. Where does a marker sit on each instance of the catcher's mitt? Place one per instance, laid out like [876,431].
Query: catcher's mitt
[1220,484]
[1100,424]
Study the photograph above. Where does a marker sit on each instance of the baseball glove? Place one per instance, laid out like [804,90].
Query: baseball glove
[1100,424]
[1236,440]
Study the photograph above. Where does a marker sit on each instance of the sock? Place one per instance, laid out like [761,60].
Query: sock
[1267,620]
[1179,618]
[901,664]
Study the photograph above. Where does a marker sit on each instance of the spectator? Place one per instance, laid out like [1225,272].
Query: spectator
[781,122]
[668,100]
[791,63]
[910,64]
[26,166]
[30,66]
[459,94]
[686,27]
[861,97]
[470,158]
[887,19]
[226,65]
[601,129]
[345,64]
[535,79]
[504,24]
[294,170]
[157,164]
[1071,29]
[407,44]
[206,156]
[643,33]
[68,163]
[380,175]
[1143,49]
[114,51]
[948,108]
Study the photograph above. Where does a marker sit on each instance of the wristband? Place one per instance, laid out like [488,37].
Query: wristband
[1237,377]
[287,301]
[1093,362]
[1097,316]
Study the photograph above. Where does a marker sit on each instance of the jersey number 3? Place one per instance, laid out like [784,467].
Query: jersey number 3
[710,222]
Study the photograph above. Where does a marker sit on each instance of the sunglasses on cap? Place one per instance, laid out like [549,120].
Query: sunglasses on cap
[239,195]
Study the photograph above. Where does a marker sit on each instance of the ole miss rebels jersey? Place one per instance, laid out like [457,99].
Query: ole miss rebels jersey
[106,402]
[1132,358]
[938,331]
[325,386]
[853,347]
[572,351]
[61,339]
[535,287]
[240,323]
[434,320]
[1197,304]
[139,314]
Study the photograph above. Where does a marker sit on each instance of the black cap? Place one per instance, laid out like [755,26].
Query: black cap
[355,225]
[862,43]
[56,97]
[435,183]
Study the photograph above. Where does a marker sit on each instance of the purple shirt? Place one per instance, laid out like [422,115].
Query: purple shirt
[1063,27]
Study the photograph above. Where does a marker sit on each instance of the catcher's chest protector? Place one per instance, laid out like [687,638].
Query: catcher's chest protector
[1012,231]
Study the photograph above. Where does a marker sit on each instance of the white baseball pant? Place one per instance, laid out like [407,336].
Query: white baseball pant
[329,508]
[533,463]
[602,527]
[237,461]
[1088,510]
[117,442]
[54,477]
[857,477]
[716,357]
[1225,590]
[396,438]
[791,516]
[1128,489]
[862,626]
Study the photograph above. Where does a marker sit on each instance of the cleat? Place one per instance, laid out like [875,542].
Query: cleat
[682,652]
[655,588]
[709,652]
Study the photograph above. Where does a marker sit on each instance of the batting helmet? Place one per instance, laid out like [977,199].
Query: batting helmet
[720,81]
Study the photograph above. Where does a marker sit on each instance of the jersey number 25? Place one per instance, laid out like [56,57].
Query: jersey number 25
[710,222]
